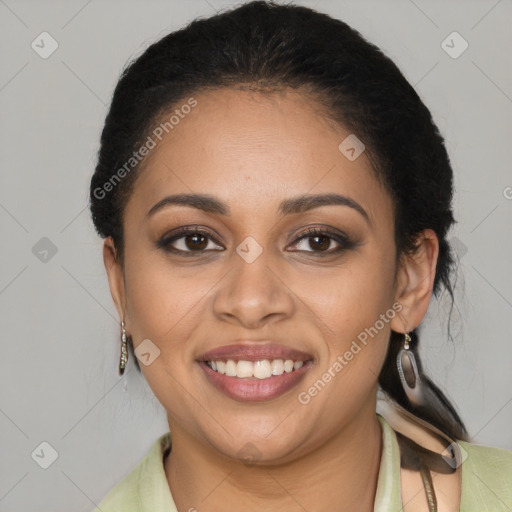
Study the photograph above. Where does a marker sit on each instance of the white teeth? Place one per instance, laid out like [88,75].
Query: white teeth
[277,367]
[230,368]
[260,369]
[244,369]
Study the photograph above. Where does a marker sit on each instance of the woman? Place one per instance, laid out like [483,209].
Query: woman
[275,199]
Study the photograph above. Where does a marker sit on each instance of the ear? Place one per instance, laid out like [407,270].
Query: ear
[415,282]
[115,276]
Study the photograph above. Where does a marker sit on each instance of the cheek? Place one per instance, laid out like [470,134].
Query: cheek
[346,379]
[351,297]
[354,305]
[161,298]
[162,307]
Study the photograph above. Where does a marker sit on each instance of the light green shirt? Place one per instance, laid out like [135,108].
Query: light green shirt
[486,480]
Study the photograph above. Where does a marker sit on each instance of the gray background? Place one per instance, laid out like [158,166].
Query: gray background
[60,344]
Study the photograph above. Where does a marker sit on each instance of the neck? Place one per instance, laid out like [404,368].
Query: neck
[341,474]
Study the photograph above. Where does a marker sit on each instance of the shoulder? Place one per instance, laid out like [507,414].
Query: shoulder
[125,495]
[486,478]
[145,482]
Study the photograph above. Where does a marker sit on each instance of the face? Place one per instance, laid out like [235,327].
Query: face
[255,283]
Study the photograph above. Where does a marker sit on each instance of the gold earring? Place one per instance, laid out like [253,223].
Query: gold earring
[124,352]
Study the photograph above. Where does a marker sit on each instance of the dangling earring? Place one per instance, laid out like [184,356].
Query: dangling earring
[409,374]
[124,352]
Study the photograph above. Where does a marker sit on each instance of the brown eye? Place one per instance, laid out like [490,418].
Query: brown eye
[195,242]
[320,241]
[187,241]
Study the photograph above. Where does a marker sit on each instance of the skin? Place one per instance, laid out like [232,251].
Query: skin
[252,151]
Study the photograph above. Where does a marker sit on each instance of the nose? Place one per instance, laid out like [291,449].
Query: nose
[253,293]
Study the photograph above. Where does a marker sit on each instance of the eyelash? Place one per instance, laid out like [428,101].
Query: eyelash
[345,243]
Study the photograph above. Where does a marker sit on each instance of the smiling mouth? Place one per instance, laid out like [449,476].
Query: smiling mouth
[254,381]
[254,370]
[261,369]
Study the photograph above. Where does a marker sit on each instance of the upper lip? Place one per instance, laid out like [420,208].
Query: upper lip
[252,351]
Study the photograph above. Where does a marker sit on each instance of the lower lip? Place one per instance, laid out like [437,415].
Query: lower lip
[253,389]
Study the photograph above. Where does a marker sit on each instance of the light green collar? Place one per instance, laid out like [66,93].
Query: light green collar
[486,479]
[155,494]
[388,497]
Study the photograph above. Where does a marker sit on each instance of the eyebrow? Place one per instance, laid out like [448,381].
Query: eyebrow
[299,204]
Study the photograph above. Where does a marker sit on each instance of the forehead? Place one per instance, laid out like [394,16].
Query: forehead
[250,148]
